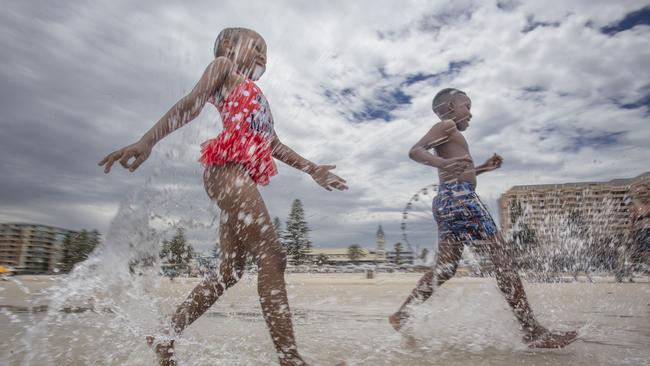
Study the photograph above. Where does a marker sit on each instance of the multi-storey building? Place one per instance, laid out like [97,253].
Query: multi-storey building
[400,257]
[602,205]
[31,248]
[340,256]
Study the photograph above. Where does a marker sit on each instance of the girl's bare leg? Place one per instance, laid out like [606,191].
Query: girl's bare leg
[242,202]
[232,261]
[449,254]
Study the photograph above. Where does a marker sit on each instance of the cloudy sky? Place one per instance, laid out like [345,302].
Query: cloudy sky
[560,89]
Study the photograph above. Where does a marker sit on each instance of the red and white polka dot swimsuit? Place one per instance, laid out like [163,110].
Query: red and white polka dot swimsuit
[247,133]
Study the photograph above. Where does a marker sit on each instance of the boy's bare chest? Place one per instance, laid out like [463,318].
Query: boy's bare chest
[455,146]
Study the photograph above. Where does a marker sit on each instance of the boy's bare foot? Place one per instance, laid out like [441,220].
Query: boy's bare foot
[164,349]
[548,339]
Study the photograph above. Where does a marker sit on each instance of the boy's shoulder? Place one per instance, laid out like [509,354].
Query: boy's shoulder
[447,126]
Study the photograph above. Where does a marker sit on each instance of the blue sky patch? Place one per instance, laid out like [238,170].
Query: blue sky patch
[386,99]
[583,138]
[631,20]
[593,139]
[532,24]
[507,5]
[533,89]
[580,137]
[644,101]
[381,106]
[454,67]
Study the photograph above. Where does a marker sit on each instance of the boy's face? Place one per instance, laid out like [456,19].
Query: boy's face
[459,107]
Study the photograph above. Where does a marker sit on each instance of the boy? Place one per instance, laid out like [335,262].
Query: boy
[462,219]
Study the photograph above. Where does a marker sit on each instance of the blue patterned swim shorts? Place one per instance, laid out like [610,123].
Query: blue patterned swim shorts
[460,214]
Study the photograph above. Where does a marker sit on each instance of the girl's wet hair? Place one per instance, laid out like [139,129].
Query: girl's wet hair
[231,34]
[441,100]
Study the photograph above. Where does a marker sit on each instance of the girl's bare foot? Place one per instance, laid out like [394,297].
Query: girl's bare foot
[398,322]
[548,339]
[164,349]
[292,359]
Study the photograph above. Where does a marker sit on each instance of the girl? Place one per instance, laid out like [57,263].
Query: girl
[236,161]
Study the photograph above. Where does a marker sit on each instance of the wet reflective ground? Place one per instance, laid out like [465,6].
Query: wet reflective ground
[342,317]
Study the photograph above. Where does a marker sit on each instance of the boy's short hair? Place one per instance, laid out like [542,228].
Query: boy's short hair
[441,100]
[233,35]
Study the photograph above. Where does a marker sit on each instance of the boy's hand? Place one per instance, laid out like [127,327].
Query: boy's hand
[493,163]
[454,167]
[140,151]
[322,175]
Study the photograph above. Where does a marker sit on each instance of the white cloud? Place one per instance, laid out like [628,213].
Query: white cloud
[115,67]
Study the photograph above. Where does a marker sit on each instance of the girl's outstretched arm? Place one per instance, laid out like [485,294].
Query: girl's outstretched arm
[185,110]
[320,173]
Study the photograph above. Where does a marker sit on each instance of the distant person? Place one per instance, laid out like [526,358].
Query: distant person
[637,250]
[463,220]
[587,273]
[236,161]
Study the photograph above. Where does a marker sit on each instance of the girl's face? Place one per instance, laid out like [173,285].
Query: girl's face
[250,56]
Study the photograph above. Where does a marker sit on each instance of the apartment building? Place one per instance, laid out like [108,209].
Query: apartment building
[31,248]
[604,205]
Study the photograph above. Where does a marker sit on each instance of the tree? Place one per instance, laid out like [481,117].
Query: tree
[322,259]
[177,253]
[355,252]
[277,226]
[424,253]
[398,253]
[77,247]
[214,253]
[295,237]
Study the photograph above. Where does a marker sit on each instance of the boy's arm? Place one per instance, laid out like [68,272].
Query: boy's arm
[491,164]
[185,110]
[320,173]
[438,135]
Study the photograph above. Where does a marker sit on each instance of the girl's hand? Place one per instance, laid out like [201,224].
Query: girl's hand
[326,179]
[139,151]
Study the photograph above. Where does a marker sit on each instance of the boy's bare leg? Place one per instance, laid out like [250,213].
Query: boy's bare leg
[512,288]
[449,253]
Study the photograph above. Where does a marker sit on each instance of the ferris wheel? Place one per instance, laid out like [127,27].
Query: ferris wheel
[419,229]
